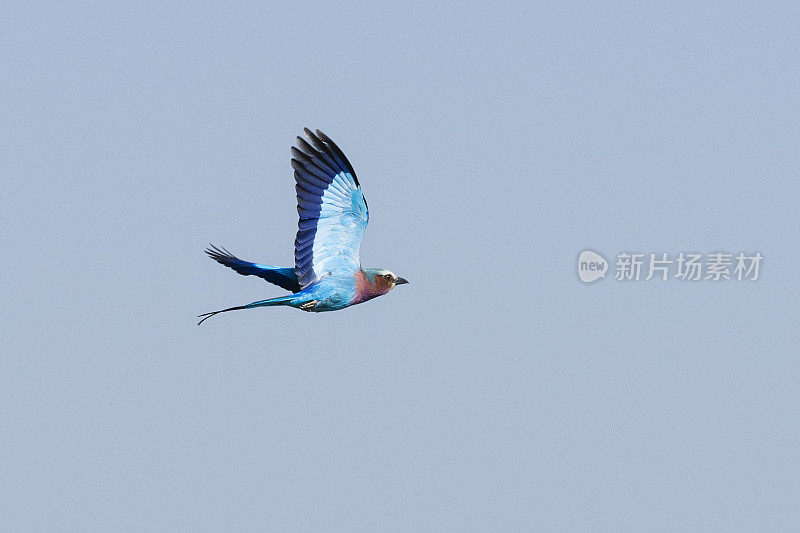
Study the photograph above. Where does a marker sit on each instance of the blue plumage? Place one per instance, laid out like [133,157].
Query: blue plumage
[284,278]
[333,216]
[332,209]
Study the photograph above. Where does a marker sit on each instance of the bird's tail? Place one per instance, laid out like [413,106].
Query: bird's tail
[281,300]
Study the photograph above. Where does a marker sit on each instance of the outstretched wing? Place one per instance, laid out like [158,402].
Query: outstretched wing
[332,209]
[284,278]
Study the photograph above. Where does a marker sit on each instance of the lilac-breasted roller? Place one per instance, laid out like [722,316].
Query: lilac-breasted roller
[327,273]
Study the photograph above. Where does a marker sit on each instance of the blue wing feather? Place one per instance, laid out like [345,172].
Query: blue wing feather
[286,278]
[332,209]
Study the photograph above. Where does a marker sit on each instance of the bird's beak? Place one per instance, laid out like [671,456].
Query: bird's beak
[401,281]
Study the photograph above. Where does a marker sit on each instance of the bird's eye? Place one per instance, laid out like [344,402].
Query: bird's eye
[388,277]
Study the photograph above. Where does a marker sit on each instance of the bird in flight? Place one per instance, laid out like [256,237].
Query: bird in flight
[327,273]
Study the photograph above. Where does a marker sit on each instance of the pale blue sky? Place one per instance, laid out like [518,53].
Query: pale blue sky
[496,391]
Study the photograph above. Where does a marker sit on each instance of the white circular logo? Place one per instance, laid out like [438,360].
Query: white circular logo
[591,266]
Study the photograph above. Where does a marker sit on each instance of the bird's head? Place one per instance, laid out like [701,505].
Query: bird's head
[383,280]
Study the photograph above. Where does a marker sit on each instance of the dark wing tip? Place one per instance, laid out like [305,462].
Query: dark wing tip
[219,254]
[331,147]
[298,154]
